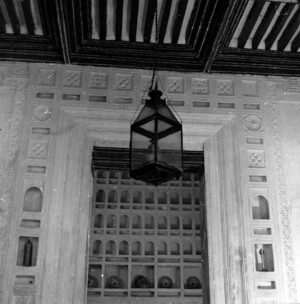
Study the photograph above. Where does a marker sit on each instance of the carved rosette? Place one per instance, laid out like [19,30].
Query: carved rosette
[285,206]
[253,123]
[18,90]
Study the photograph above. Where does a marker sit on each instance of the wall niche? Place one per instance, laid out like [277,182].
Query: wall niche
[27,251]
[260,208]
[33,200]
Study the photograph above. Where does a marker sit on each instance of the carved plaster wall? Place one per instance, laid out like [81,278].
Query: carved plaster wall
[69,109]
[13,93]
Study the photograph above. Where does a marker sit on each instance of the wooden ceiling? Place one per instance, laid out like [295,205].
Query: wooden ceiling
[227,36]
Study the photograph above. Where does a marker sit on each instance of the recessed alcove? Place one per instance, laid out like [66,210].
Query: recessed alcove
[260,208]
[33,200]
[27,251]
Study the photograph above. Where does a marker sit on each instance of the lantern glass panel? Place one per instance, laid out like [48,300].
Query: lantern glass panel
[156,142]
[139,155]
[170,150]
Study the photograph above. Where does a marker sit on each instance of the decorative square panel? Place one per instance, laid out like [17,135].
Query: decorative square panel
[24,299]
[200,86]
[249,88]
[293,85]
[21,69]
[124,82]
[47,77]
[225,87]
[72,79]
[98,80]
[37,149]
[175,85]
[256,159]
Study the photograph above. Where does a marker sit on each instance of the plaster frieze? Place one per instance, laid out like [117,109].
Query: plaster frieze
[273,98]
[18,90]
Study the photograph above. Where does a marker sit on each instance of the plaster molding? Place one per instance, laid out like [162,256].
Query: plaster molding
[274,93]
[78,130]
[18,89]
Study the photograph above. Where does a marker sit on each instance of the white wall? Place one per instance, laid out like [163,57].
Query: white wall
[264,136]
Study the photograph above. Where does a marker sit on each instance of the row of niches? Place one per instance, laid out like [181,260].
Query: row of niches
[28,245]
[126,197]
[147,221]
[144,277]
[123,178]
[146,248]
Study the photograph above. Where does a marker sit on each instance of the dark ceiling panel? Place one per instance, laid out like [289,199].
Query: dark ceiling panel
[179,19]
[265,23]
[11,10]
[296,43]
[250,22]
[149,20]
[133,20]
[102,19]
[289,31]
[194,35]
[27,10]
[280,22]
[2,22]
[119,16]
[164,22]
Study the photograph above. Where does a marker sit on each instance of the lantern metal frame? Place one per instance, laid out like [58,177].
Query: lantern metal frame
[155,171]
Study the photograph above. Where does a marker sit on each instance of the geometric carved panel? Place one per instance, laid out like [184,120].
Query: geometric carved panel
[175,84]
[256,159]
[37,149]
[293,85]
[24,300]
[124,82]
[200,86]
[225,87]
[72,78]
[98,80]
[47,77]
[249,88]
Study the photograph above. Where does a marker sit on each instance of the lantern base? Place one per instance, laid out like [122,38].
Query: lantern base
[155,173]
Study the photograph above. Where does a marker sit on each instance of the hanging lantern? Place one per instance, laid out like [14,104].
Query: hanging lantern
[155,142]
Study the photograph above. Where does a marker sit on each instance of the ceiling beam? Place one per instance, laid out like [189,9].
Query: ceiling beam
[250,22]
[26,6]
[62,31]
[280,22]
[289,31]
[178,20]
[191,20]
[133,20]
[149,20]
[102,19]
[264,24]
[193,26]
[2,22]
[12,16]
[296,43]
[119,19]
[164,21]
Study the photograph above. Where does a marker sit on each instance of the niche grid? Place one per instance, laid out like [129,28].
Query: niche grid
[145,241]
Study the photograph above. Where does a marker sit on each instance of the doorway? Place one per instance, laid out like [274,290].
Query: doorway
[147,242]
